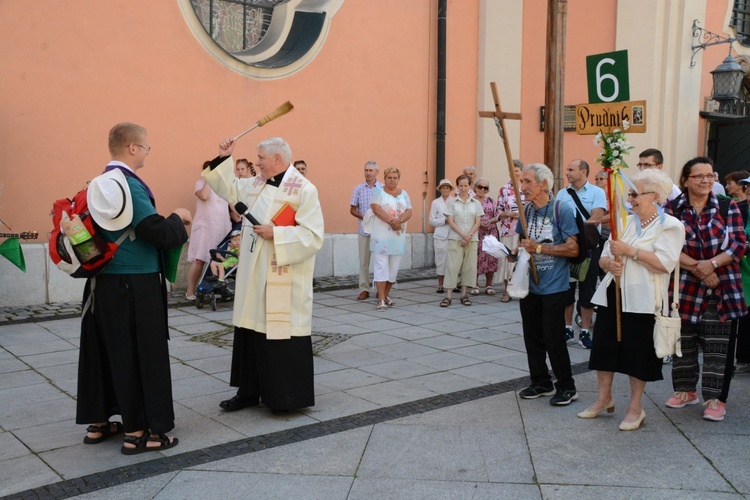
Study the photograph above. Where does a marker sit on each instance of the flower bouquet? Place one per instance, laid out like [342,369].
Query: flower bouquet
[615,145]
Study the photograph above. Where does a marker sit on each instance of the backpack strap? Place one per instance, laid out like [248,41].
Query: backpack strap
[723,206]
[577,200]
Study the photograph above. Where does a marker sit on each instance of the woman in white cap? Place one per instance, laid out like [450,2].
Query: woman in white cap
[440,236]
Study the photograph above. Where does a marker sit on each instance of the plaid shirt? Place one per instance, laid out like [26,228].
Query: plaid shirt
[361,199]
[705,235]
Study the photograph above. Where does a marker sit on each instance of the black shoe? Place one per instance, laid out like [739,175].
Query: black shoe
[533,392]
[456,290]
[563,398]
[238,402]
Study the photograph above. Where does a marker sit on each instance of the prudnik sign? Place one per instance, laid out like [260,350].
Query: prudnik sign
[594,118]
[609,93]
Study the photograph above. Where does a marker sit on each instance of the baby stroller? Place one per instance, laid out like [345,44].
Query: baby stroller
[210,288]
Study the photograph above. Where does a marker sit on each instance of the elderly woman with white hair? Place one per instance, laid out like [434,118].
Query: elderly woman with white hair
[643,257]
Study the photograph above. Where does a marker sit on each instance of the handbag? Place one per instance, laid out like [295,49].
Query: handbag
[518,286]
[367,221]
[667,329]
[579,271]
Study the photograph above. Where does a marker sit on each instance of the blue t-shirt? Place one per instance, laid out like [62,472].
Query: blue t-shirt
[136,256]
[547,227]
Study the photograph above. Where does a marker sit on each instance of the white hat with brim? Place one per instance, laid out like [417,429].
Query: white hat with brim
[744,181]
[445,182]
[109,200]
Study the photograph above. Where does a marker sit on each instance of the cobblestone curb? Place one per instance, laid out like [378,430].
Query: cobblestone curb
[65,310]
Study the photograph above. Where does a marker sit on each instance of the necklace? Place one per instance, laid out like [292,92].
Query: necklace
[649,220]
[535,225]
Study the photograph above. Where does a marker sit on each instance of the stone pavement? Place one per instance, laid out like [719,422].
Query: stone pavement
[415,402]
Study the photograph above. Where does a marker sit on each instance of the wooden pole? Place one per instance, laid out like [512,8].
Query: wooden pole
[612,199]
[554,99]
[500,116]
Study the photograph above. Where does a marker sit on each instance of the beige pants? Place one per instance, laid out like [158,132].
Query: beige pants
[364,263]
[462,259]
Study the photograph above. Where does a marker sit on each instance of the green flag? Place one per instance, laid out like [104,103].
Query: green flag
[11,250]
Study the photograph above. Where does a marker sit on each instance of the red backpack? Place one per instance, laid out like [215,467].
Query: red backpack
[60,247]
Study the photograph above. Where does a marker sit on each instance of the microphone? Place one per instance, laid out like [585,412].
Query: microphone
[242,209]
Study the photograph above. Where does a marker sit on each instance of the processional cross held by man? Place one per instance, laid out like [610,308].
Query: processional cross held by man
[499,117]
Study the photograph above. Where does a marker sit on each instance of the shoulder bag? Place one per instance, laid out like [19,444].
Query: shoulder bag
[667,336]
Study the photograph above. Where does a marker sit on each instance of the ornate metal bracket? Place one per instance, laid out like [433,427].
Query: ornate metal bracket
[707,39]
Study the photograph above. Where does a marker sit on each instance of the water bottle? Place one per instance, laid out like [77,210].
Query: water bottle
[84,245]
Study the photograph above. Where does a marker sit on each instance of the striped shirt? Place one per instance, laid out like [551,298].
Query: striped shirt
[464,214]
[361,199]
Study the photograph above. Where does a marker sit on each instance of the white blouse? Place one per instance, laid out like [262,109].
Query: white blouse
[638,284]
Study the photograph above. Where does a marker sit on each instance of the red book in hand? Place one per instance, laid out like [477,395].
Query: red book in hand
[285,216]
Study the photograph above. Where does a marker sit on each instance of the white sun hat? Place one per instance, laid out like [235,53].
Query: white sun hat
[110,202]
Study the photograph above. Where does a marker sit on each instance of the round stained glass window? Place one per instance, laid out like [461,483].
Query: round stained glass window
[262,38]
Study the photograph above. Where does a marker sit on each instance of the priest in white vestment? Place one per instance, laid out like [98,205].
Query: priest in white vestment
[272,359]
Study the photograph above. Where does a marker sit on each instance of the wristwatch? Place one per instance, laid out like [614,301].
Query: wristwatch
[539,248]
[635,255]
[715,264]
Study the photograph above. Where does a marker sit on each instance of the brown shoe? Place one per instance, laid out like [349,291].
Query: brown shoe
[363,296]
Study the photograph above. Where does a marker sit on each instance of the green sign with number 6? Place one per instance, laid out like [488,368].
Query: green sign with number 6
[607,76]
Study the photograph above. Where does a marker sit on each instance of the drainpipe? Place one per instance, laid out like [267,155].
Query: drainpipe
[441,51]
[440,130]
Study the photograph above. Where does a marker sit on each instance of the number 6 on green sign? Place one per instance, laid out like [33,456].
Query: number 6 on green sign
[607,76]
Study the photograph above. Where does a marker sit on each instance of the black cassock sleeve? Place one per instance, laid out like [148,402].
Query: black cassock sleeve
[162,232]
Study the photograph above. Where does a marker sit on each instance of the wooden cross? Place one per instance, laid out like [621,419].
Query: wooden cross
[499,117]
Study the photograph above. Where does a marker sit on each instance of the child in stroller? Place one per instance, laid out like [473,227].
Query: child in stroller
[226,260]
[223,264]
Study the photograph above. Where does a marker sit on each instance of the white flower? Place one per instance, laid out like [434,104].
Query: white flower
[616,131]
[625,124]
[615,153]
[616,162]
[597,138]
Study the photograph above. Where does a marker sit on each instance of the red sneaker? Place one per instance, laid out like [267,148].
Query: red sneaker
[715,410]
[682,399]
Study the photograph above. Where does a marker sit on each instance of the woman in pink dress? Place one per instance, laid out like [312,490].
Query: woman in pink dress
[507,214]
[210,224]
[486,263]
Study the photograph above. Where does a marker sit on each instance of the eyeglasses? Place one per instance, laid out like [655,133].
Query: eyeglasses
[147,148]
[702,177]
[636,195]
[485,188]
[646,165]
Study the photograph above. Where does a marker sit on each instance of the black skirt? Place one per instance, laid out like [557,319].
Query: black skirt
[279,372]
[123,364]
[634,355]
